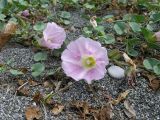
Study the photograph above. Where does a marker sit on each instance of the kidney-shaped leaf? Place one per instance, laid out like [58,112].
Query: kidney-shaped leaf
[37,69]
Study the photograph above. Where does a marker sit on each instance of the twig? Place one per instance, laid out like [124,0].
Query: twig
[20,87]
[66,87]
[45,112]
[58,85]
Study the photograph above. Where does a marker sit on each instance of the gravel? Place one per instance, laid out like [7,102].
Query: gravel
[12,107]
[146,102]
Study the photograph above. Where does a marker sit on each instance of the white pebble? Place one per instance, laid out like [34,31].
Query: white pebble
[116,72]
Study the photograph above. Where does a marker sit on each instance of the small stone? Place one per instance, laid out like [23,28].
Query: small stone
[116,72]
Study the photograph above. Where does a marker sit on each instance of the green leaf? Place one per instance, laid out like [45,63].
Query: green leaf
[75,1]
[148,35]
[66,22]
[23,2]
[130,46]
[89,6]
[134,18]
[120,28]
[138,18]
[2,69]
[109,39]
[123,1]
[2,17]
[107,17]
[157,69]
[114,54]
[155,17]
[135,26]
[87,31]
[37,69]
[40,56]
[99,28]
[150,63]
[149,27]
[65,14]
[132,52]
[15,72]
[2,25]
[3,3]
[39,26]
[150,39]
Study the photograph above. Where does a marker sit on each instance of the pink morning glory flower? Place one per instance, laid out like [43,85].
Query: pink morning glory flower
[53,36]
[157,34]
[85,59]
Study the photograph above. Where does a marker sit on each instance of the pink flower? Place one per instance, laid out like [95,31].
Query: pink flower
[157,34]
[25,13]
[53,36]
[85,59]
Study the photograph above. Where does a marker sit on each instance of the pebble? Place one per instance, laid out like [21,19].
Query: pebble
[116,72]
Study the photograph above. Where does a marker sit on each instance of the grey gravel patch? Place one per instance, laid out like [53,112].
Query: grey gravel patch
[20,57]
[77,20]
[12,107]
[146,102]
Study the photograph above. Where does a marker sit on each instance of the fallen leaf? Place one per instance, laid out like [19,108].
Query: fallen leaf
[154,84]
[33,113]
[81,105]
[129,60]
[37,97]
[32,83]
[10,28]
[23,92]
[93,21]
[121,97]
[58,108]
[24,70]
[110,20]
[105,113]
[5,35]
[46,84]
[131,76]
[129,110]
[21,82]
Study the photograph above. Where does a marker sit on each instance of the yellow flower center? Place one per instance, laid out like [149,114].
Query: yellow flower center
[88,62]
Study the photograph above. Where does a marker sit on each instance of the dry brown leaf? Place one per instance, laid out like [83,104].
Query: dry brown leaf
[121,97]
[33,113]
[5,35]
[23,92]
[155,84]
[93,21]
[129,60]
[24,70]
[32,83]
[46,84]
[105,113]
[58,108]
[110,20]
[21,82]
[129,110]
[81,105]
[37,97]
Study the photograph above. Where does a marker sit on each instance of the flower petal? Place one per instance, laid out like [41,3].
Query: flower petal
[53,36]
[75,71]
